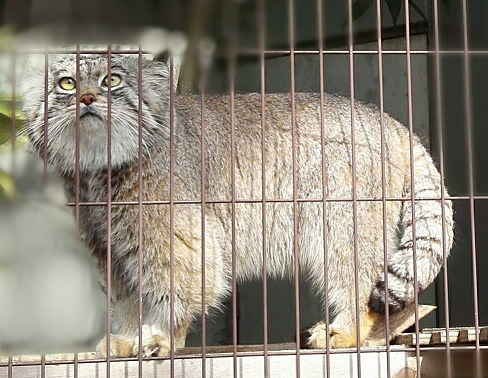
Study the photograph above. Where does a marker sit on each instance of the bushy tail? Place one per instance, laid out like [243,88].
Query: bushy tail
[428,238]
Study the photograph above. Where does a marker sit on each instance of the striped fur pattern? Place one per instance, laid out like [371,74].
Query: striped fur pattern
[428,255]
[334,157]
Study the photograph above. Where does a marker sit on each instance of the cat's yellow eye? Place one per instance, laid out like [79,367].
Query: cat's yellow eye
[114,80]
[67,83]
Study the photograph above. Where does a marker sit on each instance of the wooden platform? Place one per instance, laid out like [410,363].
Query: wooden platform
[439,336]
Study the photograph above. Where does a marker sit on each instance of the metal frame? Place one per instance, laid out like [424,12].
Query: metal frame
[262,53]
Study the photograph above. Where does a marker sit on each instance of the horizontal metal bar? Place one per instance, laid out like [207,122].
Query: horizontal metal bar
[71,51]
[273,200]
[256,52]
[291,352]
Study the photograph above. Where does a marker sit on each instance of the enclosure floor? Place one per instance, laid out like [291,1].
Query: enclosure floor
[220,362]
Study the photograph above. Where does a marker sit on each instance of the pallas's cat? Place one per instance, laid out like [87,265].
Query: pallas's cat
[294,207]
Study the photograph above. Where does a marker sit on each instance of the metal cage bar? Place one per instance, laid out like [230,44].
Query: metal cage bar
[470,157]
[262,53]
[172,213]
[320,31]
[140,211]
[109,201]
[231,12]
[296,268]
[262,46]
[383,183]
[440,137]
[203,204]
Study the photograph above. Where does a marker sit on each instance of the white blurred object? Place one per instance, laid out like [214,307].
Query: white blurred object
[50,297]
[31,45]
[157,40]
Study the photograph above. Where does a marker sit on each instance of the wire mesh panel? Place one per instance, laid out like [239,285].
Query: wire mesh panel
[183,186]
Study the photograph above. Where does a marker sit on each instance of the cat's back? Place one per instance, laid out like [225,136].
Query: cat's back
[323,135]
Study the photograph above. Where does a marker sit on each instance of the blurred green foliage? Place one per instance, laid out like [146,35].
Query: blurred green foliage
[11,122]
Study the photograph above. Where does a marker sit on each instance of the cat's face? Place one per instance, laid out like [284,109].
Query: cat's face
[91,94]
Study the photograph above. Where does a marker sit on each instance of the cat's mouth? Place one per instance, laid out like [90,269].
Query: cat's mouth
[90,112]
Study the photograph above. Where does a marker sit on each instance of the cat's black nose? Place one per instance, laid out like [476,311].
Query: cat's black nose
[87,98]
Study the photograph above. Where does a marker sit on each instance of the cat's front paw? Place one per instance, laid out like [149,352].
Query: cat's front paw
[154,344]
[339,338]
[120,346]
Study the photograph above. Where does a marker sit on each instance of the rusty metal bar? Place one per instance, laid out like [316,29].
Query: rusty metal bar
[13,104]
[13,136]
[77,137]
[249,51]
[140,210]
[46,111]
[320,31]
[383,183]
[296,252]
[354,194]
[232,69]
[275,200]
[262,46]
[469,138]
[109,203]
[77,161]
[440,136]
[172,214]
[203,202]
[412,177]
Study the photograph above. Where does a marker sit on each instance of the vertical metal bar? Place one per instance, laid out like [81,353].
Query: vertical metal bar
[354,194]
[43,366]
[262,46]
[172,212]
[109,201]
[291,38]
[383,183]
[77,160]
[14,105]
[324,183]
[412,177]
[441,168]
[232,68]
[46,110]
[77,137]
[45,141]
[203,199]
[469,138]
[13,136]
[140,211]
[10,367]
[233,215]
